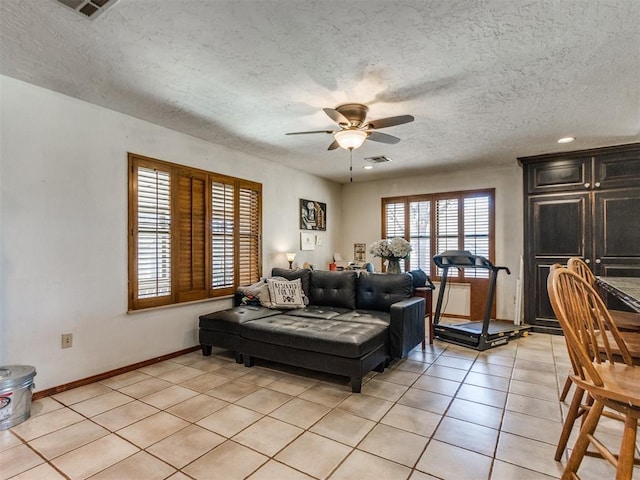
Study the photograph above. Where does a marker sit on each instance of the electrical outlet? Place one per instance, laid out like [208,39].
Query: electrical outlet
[67,340]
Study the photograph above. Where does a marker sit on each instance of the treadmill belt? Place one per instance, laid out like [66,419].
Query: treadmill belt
[476,327]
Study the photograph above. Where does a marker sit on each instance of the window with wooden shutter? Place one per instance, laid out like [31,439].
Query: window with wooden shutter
[434,223]
[193,234]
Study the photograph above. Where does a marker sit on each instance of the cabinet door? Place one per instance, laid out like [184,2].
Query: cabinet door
[557,228]
[562,175]
[620,169]
[616,230]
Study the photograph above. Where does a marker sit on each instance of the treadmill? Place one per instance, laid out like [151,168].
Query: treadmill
[478,335]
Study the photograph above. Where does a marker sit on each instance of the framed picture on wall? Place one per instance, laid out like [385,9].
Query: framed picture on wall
[360,252]
[313,215]
[307,241]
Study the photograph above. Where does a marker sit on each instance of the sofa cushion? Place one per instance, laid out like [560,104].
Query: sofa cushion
[373,317]
[315,311]
[344,339]
[229,320]
[336,289]
[378,291]
[285,293]
[303,274]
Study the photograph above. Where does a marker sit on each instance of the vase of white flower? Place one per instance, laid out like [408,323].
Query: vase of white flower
[392,250]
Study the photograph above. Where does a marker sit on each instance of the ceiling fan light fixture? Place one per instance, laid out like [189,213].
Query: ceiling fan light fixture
[566,139]
[350,139]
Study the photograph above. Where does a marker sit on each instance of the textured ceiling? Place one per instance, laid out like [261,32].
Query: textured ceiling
[487,81]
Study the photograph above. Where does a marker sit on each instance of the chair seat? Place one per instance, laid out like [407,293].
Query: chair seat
[621,383]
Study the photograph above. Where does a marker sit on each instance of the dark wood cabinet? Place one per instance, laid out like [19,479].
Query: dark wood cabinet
[579,204]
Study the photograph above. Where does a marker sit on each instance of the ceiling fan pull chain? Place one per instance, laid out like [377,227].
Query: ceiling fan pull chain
[351,165]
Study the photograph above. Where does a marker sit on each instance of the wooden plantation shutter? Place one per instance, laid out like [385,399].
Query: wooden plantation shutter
[446,212]
[393,221]
[150,270]
[249,216]
[476,231]
[192,232]
[222,237]
[420,235]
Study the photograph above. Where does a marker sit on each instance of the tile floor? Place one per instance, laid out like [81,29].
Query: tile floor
[448,413]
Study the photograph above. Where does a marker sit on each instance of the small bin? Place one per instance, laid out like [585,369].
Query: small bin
[16,383]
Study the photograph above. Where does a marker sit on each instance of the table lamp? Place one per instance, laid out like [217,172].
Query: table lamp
[290,258]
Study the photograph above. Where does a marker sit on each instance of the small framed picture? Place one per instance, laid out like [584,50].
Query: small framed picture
[307,241]
[360,252]
[319,240]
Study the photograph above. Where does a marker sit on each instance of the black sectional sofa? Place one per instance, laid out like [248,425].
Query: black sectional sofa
[354,323]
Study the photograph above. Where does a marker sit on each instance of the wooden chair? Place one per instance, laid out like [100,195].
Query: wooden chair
[609,383]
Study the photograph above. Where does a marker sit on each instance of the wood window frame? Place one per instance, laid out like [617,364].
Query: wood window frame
[433,197]
[191,275]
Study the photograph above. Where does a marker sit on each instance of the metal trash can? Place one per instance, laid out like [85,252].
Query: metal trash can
[16,383]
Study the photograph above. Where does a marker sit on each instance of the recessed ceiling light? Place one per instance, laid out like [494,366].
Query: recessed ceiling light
[566,139]
[368,167]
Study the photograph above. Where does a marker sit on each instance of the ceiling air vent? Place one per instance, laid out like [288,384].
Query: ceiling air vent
[379,159]
[89,8]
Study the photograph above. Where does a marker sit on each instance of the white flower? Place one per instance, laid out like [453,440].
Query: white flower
[396,247]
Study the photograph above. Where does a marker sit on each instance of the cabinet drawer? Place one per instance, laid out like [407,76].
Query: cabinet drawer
[559,175]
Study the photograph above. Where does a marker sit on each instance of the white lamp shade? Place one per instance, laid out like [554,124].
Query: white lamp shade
[350,139]
[290,257]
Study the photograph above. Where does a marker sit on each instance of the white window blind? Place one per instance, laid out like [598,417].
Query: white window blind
[420,235]
[394,220]
[476,231]
[222,235]
[153,233]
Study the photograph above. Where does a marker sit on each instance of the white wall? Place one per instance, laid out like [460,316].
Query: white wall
[362,221]
[63,241]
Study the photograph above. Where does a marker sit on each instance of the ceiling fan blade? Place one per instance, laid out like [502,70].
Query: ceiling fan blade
[383,137]
[390,121]
[312,131]
[333,145]
[336,116]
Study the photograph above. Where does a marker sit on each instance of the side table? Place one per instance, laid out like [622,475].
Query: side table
[427,294]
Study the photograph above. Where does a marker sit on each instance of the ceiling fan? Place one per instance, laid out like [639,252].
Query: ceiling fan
[355,129]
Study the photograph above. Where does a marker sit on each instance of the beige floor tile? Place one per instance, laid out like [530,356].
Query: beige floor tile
[191,357]
[523,364]
[327,395]
[273,470]
[268,435]
[476,413]
[208,364]
[196,408]
[44,471]
[507,471]
[300,413]
[261,376]
[264,400]
[544,392]
[18,459]
[229,420]
[534,406]
[453,463]
[460,352]
[66,439]
[536,428]
[46,423]
[453,362]
[412,419]
[180,375]
[531,376]
[411,366]
[233,390]
[529,454]
[343,427]
[94,457]
[292,385]
[169,396]
[422,356]
[81,393]
[125,415]
[179,476]
[430,401]
[400,377]
[303,455]
[394,444]
[205,382]
[152,429]
[185,446]
[384,390]
[437,385]
[229,461]
[124,379]
[101,403]
[493,358]
[233,370]
[138,466]
[44,405]
[8,440]
[487,381]
[365,406]
[364,465]
[492,369]
[145,387]
[486,396]
[160,368]
[417,475]
[448,373]
[470,436]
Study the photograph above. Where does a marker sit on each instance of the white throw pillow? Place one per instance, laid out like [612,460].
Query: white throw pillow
[285,293]
[259,290]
